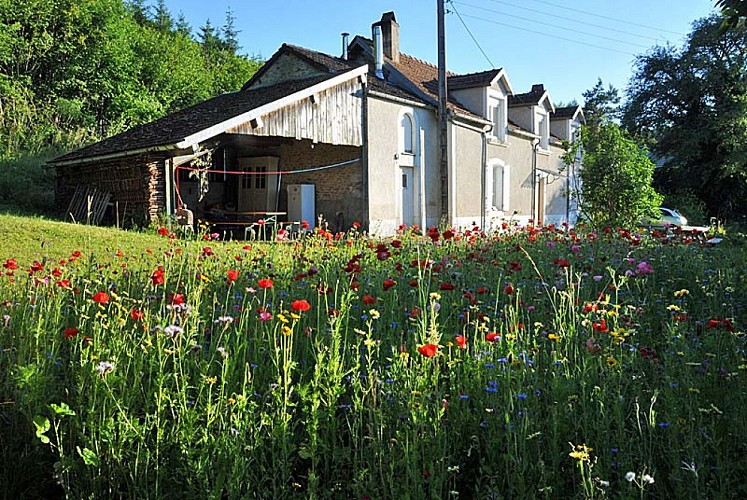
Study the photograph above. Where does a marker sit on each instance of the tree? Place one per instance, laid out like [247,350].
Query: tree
[601,104]
[162,19]
[230,33]
[734,11]
[182,25]
[615,177]
[210,41]
[689,106]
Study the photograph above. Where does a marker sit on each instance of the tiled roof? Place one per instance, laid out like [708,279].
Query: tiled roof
[323,62]
[425,78]
[481,79]
[382,86]
[564,113]
[176,126]
[530,98]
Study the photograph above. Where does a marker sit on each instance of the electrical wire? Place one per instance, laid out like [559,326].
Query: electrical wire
[572,20]
[279,172]
[471,35]
[550,36]
[535,21]
[655,28]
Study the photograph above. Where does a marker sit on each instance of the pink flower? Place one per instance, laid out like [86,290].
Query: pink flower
[644,268]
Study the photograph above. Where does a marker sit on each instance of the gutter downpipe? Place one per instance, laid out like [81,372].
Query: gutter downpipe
[484,131]
[535,145]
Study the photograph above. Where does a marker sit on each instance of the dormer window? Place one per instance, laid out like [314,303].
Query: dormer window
[497,114]
[406,130]
[543,130]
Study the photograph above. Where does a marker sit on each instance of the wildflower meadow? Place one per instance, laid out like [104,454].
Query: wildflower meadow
[537,362]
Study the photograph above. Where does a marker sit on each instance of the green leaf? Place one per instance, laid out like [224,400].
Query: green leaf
[42,426]
[88,456]
[62,410]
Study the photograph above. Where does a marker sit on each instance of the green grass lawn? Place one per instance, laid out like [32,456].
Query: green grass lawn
[537,364]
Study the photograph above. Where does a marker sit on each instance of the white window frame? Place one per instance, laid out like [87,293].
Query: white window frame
[494,169]
[407,116]
[543,129]
[497,114]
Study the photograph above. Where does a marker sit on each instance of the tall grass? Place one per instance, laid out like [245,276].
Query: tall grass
[543,363]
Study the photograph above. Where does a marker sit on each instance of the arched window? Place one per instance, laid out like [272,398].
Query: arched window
[407,134]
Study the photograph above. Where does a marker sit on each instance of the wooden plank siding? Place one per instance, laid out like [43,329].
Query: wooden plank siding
[334,116]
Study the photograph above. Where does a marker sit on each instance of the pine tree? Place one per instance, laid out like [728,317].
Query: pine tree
[230,33]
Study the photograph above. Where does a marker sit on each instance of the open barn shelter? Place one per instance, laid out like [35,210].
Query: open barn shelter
[282,148]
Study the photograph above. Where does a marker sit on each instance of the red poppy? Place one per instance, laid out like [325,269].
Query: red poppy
[446,286]
[461,341]
[157,276]
[492,337]
[396,244]
[101,298]
[10,264]
[232,275]
[448,234]
[509,289]
[162,231]
[71,332]
[136,314]
[36,267]
[413,283]
[601,326]
[561,262]
[388,283]
[176,299]
[207,252]
[481,290]
[428,350]
[300,305]
[63,284]
[265,283]
[57,272]
[368,300]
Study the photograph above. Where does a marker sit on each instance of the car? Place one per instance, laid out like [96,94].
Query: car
[668,217]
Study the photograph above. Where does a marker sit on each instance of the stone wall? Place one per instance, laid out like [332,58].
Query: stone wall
[339,190]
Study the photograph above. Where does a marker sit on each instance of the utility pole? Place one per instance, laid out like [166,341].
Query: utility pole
[443,124]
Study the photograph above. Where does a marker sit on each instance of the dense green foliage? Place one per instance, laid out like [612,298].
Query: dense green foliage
[73,71]
[538,364]
[689,105]
[615,176]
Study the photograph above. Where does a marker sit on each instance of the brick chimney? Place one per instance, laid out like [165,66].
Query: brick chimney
[390,32]
[538,88]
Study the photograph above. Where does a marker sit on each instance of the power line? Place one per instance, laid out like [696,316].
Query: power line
[585,33]
[471,35]
[585,23]
[550,36]
[655,28]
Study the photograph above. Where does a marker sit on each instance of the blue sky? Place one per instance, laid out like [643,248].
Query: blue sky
[565,45]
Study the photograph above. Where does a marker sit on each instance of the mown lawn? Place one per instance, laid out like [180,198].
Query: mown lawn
[539,364]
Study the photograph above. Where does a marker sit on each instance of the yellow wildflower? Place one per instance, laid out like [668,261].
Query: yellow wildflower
[682,293]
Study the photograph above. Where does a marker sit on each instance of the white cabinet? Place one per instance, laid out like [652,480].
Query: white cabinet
[301,205]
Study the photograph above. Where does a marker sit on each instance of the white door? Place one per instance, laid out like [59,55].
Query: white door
[258,184]
[408,196]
